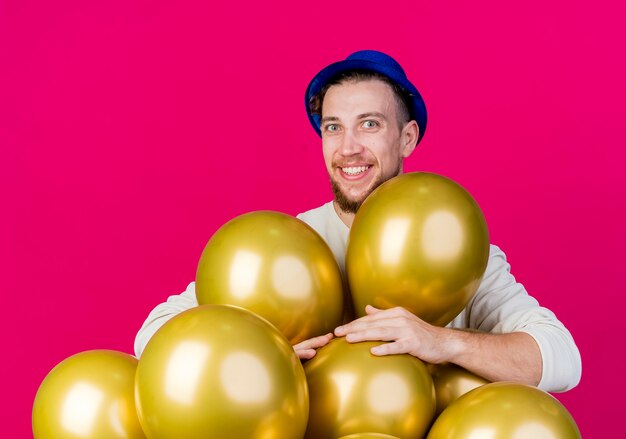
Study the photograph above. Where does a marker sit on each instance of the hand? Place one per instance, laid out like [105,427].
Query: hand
[306,349]
[407,333]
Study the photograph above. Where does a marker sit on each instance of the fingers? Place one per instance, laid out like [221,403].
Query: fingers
[306,349]
[395,311]
[306,354]
[397,347]
[374,315]
[376,333]
[365,323]
[314,343]
[369,309]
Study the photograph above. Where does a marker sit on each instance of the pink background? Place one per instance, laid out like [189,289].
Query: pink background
[130,131]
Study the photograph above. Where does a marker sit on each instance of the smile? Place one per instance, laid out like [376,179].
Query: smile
[355,170]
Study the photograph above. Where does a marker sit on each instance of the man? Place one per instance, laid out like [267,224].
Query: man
[370,117]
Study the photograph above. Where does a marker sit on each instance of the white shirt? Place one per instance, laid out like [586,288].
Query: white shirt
[500,305]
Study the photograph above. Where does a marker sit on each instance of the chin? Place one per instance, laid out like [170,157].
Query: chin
[348,203]
[351,203]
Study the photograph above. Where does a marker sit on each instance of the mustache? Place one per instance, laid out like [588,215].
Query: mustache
[354,162]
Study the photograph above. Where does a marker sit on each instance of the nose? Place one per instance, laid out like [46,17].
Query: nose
[350,144]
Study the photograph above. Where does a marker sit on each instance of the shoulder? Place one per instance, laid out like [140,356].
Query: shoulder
[317,217]
[321,211]
[497,261]
[496,252]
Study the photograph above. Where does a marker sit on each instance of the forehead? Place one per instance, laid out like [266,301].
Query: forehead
[352,98]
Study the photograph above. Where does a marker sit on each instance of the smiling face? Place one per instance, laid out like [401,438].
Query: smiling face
[364,139]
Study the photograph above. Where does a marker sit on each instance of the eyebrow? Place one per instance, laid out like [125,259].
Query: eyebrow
[372,114]
[360,116]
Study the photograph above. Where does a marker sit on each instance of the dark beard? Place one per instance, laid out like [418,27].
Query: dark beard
[346,205]
[352,206]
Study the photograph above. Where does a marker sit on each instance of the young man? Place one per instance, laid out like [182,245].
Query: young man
[370,117]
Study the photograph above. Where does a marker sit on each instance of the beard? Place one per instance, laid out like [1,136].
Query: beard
[349,205]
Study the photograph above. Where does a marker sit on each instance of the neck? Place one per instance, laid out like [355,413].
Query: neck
[346,217]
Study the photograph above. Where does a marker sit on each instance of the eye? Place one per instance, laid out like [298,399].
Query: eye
[331,128]
[370,124]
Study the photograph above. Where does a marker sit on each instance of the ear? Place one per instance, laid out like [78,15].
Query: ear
[410,134]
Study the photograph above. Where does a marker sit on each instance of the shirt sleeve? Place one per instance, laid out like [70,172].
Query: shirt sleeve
[162,313]
[502,305]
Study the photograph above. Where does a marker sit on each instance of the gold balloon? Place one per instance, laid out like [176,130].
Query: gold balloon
[353,391]
[419,241]
[276,266]
[505,411]
[89,395]
[452,382]
[218,371]
[369,436]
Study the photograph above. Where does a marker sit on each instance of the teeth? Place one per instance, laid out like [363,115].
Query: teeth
[354,170]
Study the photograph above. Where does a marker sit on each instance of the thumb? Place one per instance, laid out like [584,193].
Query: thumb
[369,309]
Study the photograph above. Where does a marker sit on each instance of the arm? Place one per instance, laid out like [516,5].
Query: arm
[187,300]
[162,313]
[513,320]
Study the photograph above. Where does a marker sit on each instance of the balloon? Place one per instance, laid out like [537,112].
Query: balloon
[218,371]
[505,411]
[451,382]
[418,241]
[353,391]
[89,395]
[369,436]
[276,266]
